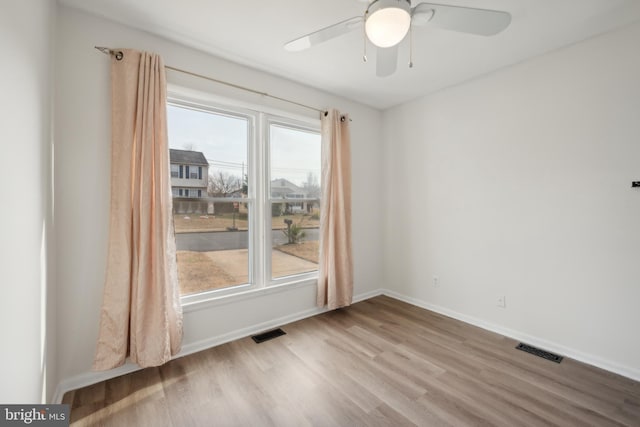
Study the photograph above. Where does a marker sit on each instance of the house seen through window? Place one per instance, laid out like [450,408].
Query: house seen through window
[246,197]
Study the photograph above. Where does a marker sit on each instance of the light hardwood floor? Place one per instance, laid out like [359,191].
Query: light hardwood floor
[380,362]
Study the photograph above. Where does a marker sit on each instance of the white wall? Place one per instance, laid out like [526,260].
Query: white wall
[82,186]
[27,358]
[519,184]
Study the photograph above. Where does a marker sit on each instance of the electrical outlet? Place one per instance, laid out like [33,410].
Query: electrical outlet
[436,282]
[501,301]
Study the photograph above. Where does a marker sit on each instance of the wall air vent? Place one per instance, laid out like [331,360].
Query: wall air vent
[540,353]
[269,335]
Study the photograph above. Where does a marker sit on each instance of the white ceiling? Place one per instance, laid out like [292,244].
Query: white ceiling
[252,32]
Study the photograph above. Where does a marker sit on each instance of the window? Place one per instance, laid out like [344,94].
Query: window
[295,175]
[186,193]
[254,222]
[175,171]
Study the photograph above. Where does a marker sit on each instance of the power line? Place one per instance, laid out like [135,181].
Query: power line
[224,161]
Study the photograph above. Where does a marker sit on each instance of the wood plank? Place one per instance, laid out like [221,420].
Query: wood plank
[379,362]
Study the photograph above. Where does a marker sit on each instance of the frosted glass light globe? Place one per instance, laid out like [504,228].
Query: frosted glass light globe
[388,21]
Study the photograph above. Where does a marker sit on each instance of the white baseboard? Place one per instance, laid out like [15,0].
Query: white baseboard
[367,295]
[89,378]
[572,353]
[245,332]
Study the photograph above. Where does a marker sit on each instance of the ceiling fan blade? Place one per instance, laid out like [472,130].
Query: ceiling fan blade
[324,34]
[386,61]
[482,22]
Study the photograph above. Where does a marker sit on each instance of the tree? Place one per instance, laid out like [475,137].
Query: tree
[245,185]
[311,186]
[312,190]
[223,184]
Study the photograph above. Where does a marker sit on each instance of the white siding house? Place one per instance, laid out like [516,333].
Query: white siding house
[189,181]
[189,174]
[285,189]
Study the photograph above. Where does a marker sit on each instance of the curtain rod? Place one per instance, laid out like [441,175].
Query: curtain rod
[119,55]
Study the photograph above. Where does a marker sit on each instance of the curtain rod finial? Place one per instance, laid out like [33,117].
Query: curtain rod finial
[118,54]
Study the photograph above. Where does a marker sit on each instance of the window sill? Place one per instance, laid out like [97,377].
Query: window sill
[204,301]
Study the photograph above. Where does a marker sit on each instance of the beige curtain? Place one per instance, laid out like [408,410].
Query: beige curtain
[141,313]
[335,270]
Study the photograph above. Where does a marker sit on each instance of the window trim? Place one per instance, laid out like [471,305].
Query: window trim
[259,117]
[271,120]
[215,108]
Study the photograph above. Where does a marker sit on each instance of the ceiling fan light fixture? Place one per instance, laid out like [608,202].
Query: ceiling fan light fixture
[388,21]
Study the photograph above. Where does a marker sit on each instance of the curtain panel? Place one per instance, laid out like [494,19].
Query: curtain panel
[335,270]
[141,316]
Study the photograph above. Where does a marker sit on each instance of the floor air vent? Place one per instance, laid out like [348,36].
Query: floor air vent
[540,353]
[269,335]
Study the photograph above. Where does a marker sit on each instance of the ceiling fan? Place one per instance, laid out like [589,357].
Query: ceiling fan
[387,22]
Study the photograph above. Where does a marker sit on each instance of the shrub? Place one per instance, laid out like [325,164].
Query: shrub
[294,233]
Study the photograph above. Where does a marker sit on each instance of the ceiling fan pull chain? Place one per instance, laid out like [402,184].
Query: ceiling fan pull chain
[364,38]
[410,46]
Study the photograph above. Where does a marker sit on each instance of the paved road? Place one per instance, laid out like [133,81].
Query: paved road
[228,240]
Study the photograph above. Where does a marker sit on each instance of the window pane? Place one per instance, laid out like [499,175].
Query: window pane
[295,200]
[209,152]
[213,249]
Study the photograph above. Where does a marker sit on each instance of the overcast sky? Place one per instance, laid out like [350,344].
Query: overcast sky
[223,140]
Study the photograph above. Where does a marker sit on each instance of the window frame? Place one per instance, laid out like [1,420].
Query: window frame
[259,119]
[271,120]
